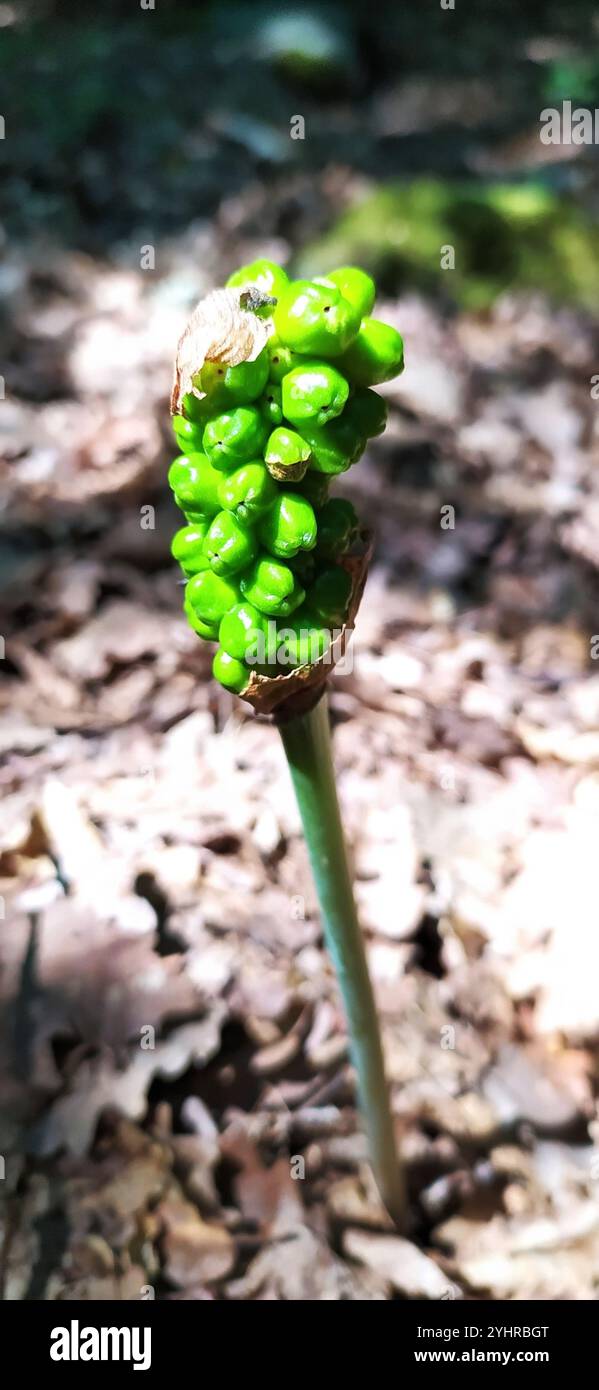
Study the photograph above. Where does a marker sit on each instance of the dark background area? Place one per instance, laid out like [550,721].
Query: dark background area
[127,122]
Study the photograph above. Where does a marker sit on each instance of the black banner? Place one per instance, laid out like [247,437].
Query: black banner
[147,1341]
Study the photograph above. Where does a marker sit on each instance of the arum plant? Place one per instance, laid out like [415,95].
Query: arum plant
[271,400]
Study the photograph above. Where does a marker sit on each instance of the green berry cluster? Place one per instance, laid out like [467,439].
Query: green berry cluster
[260,446]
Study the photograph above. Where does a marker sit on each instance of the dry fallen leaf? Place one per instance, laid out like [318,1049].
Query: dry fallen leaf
[196,1251]
[399,1263]
[219,330]
[300,1268]
[535,1257]
[99,1086]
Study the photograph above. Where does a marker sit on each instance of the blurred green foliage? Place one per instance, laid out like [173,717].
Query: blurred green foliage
[505,235]
[574,77]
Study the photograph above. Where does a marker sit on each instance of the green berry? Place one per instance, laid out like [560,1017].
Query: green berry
[315,319]
[314,486]
[265,275]
[272,587]
[247,492]
[195,484]
[231,673]
[188,548]
[288,526]
[367,411]
[316,392]
[211,596]
[243,632]
[209,631]
[303,565]
[234,385]
[228,545]
[234,437]
[328,596]
[282,359]
[287,455]
[187,435]
[337,524]
[197,410]
[271,404]
[375,355]
[355,285]
[301,640]
[334,447]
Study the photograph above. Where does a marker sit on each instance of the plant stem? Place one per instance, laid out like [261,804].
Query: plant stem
[307,742]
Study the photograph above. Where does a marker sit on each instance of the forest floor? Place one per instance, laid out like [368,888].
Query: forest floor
[178,1108]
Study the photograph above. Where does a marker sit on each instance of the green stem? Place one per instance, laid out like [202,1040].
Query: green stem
[307,742]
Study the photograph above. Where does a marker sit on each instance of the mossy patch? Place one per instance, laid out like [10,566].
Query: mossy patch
[505,236]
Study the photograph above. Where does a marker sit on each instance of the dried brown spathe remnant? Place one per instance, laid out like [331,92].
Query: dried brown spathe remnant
[222,328]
